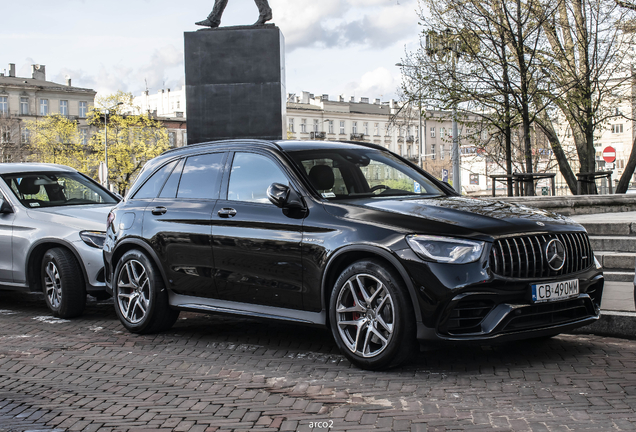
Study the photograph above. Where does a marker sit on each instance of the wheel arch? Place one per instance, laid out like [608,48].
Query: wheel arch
[135,243]
[34,261]
[346,256]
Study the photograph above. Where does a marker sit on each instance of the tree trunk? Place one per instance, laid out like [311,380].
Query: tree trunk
[564,164]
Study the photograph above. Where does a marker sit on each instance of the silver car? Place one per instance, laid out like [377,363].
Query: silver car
[52,223]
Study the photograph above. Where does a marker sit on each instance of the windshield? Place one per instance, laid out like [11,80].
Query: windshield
[353,173]
[55,189]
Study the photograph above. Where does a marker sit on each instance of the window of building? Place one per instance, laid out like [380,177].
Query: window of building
[250,177]
[331,126]
[342,127]
[24,136]
[24,105]
[4,105]
[617,111]
[442,132]
[83,109]
[84,136]
[5,135]
[441,151]
[64,108]
[365,128]
[617,128]
[354,127]
[172,139]
[316,125]
[290,125]
[303,125]
[432,132]
[376,129]
[432,151]
[44,107]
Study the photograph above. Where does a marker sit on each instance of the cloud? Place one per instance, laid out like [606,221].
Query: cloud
[340,23]
[376,83]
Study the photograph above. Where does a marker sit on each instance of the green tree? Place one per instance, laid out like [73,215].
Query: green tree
[56,139]
[132,139]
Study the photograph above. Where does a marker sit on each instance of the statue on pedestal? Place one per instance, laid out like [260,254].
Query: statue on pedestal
[214,19]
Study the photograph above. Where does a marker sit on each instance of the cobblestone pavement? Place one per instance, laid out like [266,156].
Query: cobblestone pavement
[215,373]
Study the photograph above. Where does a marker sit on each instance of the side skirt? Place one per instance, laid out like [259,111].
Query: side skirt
[200,304]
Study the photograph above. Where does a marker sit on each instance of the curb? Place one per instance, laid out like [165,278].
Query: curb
[612,324]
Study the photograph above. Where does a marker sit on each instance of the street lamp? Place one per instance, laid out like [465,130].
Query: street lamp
[106,112]
[422,143]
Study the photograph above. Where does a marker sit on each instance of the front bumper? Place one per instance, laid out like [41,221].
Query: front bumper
[469,303]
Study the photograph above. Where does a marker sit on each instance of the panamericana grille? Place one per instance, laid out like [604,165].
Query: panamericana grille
[524,257]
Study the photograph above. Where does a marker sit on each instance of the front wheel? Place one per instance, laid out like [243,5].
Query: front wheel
[371,316]
[63,283]
[140,295]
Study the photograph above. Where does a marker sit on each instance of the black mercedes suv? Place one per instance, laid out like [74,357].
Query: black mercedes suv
[344,235]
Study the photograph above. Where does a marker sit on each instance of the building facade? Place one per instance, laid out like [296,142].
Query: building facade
[23,99]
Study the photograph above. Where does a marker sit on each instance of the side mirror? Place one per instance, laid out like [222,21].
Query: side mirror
[5,207]
[282,196]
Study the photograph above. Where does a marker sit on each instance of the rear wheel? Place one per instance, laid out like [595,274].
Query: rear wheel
[63,283]
[371,316]
[140,295]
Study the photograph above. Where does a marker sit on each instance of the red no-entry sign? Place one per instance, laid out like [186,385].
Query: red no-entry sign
[609,154]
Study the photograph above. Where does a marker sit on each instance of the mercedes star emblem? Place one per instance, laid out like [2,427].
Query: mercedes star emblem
[555,254]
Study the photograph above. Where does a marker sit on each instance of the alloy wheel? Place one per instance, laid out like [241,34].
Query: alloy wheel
[133,291]
[53,285]
[365,315]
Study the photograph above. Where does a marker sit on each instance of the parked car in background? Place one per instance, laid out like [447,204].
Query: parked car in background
[348,236]
[51,234]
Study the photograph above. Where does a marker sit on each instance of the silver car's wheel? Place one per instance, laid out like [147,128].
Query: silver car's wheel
[133,294]
[141,297]
[365,315]
[63,283]
[52,285]
[371,316]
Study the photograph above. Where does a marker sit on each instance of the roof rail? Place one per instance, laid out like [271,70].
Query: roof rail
[223,142]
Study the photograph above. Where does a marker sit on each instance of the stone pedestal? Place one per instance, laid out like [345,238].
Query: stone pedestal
[235,83]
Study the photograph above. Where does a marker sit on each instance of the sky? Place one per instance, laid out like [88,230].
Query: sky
[334,47]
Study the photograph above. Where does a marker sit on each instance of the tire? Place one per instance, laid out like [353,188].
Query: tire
[140,295]
[63,283]
[371,316]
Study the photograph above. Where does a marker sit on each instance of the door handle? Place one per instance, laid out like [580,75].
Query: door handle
[158,211]
[227,212]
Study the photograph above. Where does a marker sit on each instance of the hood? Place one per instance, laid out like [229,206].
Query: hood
[82,217]
[458,216]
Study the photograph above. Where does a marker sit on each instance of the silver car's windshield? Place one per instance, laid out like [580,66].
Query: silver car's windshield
[54,189]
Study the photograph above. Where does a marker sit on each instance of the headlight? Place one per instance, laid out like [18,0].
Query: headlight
[446,249]
[93,238]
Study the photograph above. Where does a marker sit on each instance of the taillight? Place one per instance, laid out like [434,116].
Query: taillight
[110,220]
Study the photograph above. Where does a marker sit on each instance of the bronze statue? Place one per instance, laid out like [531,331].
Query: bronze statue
[214,19]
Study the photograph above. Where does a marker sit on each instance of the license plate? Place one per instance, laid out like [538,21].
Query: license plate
[555,291]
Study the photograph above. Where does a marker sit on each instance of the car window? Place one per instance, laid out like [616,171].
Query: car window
[153,185]
[52,189]
[351,173]
[200,177]
[251,176]
[170,188]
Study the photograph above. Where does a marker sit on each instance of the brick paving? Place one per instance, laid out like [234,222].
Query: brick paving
[220,374]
